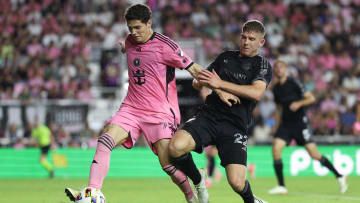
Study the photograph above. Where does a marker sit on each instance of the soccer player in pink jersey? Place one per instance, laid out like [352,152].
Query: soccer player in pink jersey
[150,106]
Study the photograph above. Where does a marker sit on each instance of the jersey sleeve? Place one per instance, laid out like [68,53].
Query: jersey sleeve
[276,96]
[172,55]
[299,88]
[215,65]
[263,70]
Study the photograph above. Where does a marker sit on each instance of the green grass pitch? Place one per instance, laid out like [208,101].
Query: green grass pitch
[161,190]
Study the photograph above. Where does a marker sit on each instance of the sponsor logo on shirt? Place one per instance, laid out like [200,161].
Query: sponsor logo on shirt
[238,76]
[139,77]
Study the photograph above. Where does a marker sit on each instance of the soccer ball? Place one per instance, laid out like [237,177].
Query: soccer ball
[90,195]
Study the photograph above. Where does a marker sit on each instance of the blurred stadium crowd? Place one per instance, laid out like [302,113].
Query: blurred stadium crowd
[54,49]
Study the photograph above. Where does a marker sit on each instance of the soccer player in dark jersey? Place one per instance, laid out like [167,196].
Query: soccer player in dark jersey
[243,73]
[292,123]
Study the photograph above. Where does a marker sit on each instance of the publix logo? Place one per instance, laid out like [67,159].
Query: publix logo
[346,164]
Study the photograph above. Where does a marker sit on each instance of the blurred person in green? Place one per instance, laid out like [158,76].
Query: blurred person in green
[43,136]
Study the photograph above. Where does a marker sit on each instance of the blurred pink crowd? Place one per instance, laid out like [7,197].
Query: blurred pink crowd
[50,49]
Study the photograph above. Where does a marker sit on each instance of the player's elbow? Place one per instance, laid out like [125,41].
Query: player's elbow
[312,99]
[257,97]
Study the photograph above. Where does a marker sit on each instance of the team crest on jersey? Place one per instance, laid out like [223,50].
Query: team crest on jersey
[136,62]
[246,66]
[263,71]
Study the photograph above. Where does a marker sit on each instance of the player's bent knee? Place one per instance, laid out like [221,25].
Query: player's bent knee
[176,149]
[237,185]
[116,132]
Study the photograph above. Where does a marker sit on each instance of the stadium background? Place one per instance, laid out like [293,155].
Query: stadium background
[60,63]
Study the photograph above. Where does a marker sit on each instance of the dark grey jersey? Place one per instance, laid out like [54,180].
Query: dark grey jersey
[232,67]
[284,94]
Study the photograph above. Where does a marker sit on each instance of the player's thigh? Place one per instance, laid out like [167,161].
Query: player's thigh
[203,130]
[236,175]
[118,133]
[284,133]
[313,151]
[182,142]
[278,146]
[162,148]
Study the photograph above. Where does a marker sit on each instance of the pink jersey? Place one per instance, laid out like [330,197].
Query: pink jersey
[152,86]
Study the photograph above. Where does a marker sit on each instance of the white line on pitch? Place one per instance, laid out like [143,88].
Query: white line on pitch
[326,196]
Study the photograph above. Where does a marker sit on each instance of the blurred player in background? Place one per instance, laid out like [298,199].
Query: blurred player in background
[211,151]
[150,106]
[245,74]
[43,136]
[292,123]
[213,173]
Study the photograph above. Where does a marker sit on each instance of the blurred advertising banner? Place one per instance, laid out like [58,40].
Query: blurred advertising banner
[297,162]
[71,114]
[73,162]
[72,117]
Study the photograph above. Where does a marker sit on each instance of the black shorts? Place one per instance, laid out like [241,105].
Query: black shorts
[299,131]
[229,139]
[45,149]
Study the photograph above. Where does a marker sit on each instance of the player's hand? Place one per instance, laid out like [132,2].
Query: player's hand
[294,106]
[122,44]
[211,79]
[227,98]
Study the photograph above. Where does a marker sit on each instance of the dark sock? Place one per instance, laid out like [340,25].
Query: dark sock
[246,193]
[278,165]
[211,166]
[186,164]
[325,162]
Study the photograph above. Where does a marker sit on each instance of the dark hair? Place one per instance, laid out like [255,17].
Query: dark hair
[254,26]
[138,12]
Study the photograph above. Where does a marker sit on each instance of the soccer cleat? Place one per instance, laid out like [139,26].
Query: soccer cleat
[278,190]
[72,194]
[258,200]
[343,184]
[201,189]
[194,199]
